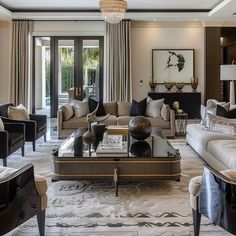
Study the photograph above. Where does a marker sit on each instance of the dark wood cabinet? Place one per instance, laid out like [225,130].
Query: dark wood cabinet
[189,102]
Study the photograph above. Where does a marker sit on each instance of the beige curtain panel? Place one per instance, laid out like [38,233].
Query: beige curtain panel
[118,84]
[20,62]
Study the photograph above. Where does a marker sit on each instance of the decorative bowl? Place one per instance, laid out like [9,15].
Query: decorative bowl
[168,85]
[179,86]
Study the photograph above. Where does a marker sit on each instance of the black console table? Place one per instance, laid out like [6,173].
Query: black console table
[189,102]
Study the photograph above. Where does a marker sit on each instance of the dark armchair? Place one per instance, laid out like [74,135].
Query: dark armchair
[34,128]
[214,196]
[22,196]
[11,139]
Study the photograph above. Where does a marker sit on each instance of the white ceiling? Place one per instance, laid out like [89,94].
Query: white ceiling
[199,10]
[93,4]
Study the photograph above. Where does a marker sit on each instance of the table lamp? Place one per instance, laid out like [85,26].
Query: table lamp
[228,72]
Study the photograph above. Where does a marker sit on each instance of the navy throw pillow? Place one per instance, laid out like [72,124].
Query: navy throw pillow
[221,111]
[93,105]
[138,108]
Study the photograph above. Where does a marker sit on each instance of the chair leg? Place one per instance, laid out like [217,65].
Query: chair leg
[41,222]
[34,145]
[4,161]
[196,222]
[23,151]
[45,138]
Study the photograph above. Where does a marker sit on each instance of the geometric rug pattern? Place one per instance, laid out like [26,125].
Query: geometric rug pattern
[90,208]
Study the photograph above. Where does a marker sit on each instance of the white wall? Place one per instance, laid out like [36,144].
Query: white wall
[146,37]
[68,28]
[5,52]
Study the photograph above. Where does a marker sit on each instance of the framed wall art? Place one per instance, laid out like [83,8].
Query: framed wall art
[173,65]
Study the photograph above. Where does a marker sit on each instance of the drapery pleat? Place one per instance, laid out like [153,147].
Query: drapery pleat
[20,62]
[118,84]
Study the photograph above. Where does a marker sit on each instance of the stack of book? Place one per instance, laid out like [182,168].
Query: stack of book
[112,144]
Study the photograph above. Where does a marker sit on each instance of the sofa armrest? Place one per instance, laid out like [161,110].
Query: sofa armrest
[15,127]
[37,118]
[3,144]
[59,122]
[172,121]
[30,127]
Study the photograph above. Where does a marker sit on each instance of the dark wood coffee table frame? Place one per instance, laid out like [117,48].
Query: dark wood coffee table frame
[116,169]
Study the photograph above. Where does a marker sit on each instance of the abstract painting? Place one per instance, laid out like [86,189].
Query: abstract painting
[173,65]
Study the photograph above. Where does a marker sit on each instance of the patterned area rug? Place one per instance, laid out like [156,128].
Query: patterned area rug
[91,209]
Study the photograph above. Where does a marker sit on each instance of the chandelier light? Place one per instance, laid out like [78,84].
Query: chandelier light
[113,11]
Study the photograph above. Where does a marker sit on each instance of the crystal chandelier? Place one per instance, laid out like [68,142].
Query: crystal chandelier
[113,11]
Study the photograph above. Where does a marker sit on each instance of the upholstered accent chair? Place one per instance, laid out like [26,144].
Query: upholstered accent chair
[11,139]
[35,127]
[213,195]
[22,196]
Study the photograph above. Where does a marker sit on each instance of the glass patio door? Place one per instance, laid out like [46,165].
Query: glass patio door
[66,68]
[89,71]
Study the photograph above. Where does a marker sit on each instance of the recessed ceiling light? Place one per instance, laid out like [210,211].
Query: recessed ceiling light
[195,19]
[155,19]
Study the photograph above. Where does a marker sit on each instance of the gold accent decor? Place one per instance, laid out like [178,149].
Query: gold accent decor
[176,106]
[113,11]
[168,85]
[152,84]
[179,86]
[194,83]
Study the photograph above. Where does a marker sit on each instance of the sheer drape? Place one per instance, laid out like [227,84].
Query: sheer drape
[118,84]
[20,62]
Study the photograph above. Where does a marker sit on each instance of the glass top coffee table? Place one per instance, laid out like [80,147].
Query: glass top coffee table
[112,158]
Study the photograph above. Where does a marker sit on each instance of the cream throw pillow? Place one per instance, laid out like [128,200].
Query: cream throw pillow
[18,113]
[154,107]
[1,125]
[165,112]
[211,109]
[67,110]
[81,108]
[220,124]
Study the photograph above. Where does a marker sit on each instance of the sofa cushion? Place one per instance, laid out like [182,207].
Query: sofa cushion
[202,136]
[67,110]
[124,108]
[111,120]
[1,125]
[81,108]
[224,151]
[18,113]
[75,122]
[159,122]
[231,174]
[155,122]
[154,107]
[93,105]
[138,108]
[124,120]
[15,138]
[110,108]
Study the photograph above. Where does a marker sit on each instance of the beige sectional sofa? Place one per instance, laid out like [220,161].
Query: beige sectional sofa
[217,149]
[119,115]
